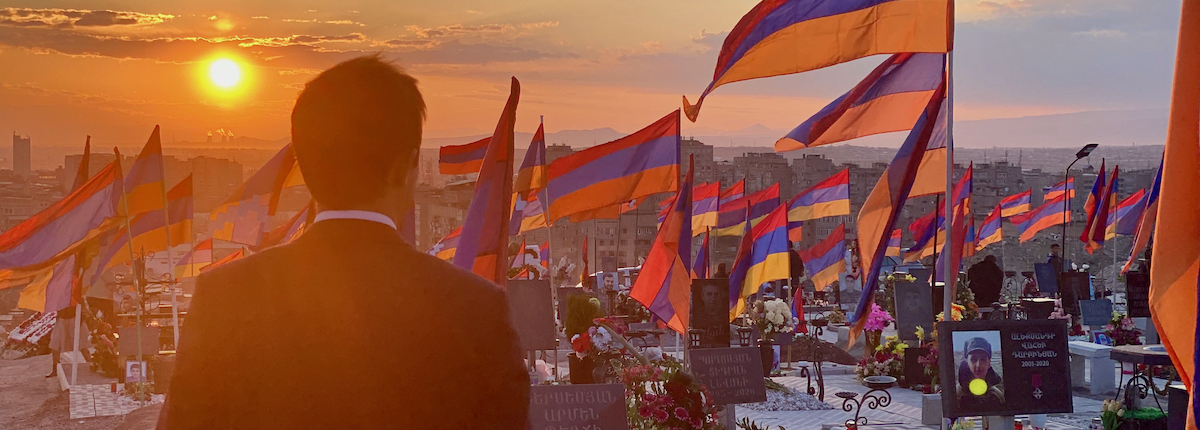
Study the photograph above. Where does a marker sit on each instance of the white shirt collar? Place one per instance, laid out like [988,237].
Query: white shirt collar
[355,214]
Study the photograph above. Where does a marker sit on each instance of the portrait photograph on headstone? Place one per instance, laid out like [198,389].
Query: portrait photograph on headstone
[710,311]
[1004,367]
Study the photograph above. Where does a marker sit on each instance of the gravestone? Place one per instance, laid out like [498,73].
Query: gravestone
[922,274]
[710,311]
[531,310]
[732,375]
[1029,364]
[1047,278]
[590,406]
[1096,312]
[1073,289]
[914,307]
[127,344]
[1137,294]
[914,371]
[1038,309]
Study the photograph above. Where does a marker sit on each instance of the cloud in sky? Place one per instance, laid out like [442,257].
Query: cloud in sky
[579,60]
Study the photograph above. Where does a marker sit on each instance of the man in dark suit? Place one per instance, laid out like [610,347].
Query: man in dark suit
[349,326]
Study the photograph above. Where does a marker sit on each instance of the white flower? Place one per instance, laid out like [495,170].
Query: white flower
[654,353]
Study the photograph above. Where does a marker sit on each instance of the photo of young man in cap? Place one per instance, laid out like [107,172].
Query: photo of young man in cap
[980,386]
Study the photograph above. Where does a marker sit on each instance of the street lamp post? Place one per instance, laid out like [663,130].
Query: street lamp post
[1067,194]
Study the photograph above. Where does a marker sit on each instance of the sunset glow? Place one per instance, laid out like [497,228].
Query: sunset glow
[224,73]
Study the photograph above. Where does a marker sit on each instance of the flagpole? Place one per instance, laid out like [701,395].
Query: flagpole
[170,259]
[136,287]
[949,277]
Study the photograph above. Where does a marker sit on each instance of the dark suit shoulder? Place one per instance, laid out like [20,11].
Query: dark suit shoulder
[243,276]
[434,269]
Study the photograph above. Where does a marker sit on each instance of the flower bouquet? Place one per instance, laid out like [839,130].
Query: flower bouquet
[886,360]
[772,317]
[929,361]
[877,320]
[599,344]
[1123,331]
[956,313]
[1111,413]
[661,395]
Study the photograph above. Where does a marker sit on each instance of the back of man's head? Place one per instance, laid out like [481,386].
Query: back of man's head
[990,259]
[351,126]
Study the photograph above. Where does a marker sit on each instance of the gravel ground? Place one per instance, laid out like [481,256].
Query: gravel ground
[791,400]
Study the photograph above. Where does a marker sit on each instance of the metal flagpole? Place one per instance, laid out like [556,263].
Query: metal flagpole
[137,288]
[949,276]
[170,259]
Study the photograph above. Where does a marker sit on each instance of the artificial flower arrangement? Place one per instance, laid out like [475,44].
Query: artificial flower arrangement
[956,313]
[878,319]
[662,395]
[887,360]
[1123,331]
[773,316]
[598,340]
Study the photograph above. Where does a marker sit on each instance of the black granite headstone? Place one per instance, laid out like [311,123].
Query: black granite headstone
[1137,294]
[1073,289]
[732,375]
[914,307]
[1096,312]
[590,406]
[710,311]
[1027,371]
[531,310]
[1047,278]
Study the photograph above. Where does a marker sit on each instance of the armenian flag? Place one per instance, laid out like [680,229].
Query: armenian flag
[1103,209]
[1049,214]
[795,231]
[827,258]
[961,225]
[150,231]
[144,183]
[290,230]
[531,177]
[879,212]
[893,245]
[704,207]
[1123,219]
[664,285]
[50,289]
[82,174]
[462,159]
[889,99]
[931,175]
[830,197]
[700,265]
[925,242]
[244,216]
[779,37]
[527,214]
[483,244]
[234,256]
[763,257]
[992,229]
[734,192]
[1145,223]
[1052,192]
[1091,208]
[1173,276]
[632,167]
[1015,204]
[199,256]
[445,248]
[759,205]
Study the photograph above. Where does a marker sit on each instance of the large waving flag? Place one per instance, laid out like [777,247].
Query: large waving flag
[704,207]
[462,159]
[992,230]
[483,245]
[827,258]
[889,99]
[931,175]
[290,230]
[244,216]
[830,197]
[150,232]
[733,215]
[1049,214]
[1123,220]
[632,167]
[734,192]
[879,212]
[700,265]
[144,184]
[445,248]
[64,227]
[1015,204]
[1091,209]
[779,37]
[1052,192]
[664,285]
[926,241]
[1145,224]
[1174,274]
[766,259]
[199,256]
[531,177]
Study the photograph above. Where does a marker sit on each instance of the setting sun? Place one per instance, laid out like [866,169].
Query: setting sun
[225,73]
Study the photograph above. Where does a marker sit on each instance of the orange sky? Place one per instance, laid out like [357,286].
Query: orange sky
[114,69]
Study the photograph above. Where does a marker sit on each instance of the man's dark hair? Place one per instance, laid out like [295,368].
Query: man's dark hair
[351,125]
[1053,245]
[990,259]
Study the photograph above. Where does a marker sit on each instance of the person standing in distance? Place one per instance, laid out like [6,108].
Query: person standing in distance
[349,326]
